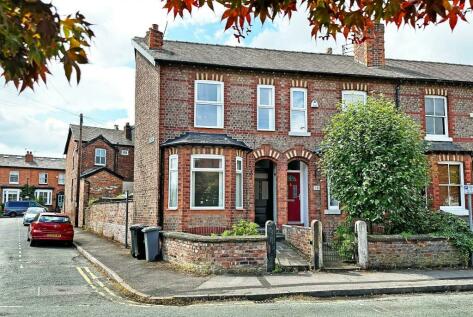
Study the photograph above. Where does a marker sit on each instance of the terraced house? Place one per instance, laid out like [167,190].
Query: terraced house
[225,133]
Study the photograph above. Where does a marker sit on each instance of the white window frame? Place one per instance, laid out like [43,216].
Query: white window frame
[456,210]
[260,106]
[62,177]
[215,103]
[59,200]
[45,182]
[220,170]
[7,191]
[239,172]
[124,152]
[331,210]
[299,133]
[17,174]
[437,137]
[170,170]
[105,157]
[49,192]
[353,92]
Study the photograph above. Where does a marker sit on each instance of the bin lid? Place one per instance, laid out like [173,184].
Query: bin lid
[150,229]
[138,227]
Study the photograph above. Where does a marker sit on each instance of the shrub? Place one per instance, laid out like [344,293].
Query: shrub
[242,228]
[344,241]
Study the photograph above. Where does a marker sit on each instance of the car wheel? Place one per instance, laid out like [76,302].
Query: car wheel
[13,214]
[32,243]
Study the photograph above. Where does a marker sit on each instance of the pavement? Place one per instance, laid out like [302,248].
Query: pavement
[158,282]
[55,280]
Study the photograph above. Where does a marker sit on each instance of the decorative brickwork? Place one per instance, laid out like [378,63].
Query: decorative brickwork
[300,238]
[421,251]
[215,254]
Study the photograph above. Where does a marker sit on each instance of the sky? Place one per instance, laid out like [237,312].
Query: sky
[38,120]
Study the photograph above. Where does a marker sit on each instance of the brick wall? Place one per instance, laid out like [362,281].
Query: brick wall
[421,251]
[300,238]
[215,254]
[147,135]
[107,218]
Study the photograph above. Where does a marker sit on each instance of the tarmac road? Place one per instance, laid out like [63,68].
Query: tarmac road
[54,280]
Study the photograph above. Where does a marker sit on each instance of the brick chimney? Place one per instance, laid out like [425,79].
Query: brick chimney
[371,52]
[29,157]
[155,37]
[127,131]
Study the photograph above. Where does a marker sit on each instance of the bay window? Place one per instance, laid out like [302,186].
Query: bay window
[239,183]
[208,109]
[265,112]
[436,121]
[44,196]
[207,182]
[173,182]
[11,195]
[299,112]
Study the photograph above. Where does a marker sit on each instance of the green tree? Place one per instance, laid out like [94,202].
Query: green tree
[32,33]
[27,192]
[329,17]
[373,155]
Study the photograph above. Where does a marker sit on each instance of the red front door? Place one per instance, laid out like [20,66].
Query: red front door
[293,197]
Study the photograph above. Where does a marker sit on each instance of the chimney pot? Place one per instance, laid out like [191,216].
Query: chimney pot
[155,37]
[371,52]
[127,129]
[116,126]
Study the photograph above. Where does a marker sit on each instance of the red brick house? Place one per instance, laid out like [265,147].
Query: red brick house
[106,165]
[225,133]
[45,174]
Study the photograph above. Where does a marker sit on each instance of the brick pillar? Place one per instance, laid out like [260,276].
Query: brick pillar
[281,179]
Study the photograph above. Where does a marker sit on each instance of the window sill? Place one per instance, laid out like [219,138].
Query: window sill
[332,212]
[457,211]
[13,183]
[299,133]
[265,130]
[100,164]
[206,127]
[438,138]
[207,208]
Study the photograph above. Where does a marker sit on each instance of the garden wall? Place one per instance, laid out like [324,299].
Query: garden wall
[107,218]
[417,251]
[299,237]
[215,254]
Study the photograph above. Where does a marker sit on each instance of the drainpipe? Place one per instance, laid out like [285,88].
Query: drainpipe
[398,94]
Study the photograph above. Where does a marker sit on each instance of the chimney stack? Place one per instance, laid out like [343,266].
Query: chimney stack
[29,157]
[116,126]
[127,131]
[155,38]
[371,52]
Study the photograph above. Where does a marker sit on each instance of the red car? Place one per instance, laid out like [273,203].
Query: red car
[49,226]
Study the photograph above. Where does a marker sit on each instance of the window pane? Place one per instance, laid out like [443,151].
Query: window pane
[333,202]
[455,174]
[266,96]
[429,106]
[455,199]
[173,164]
[173,189]
[440,107]
[207,163]
[444,196]
[238,164]
[206,189]
[207,115]
[430,125]
[298,121]
[439,125]
[298,99]
[238,194]
[265,118]
[443,173]
[208,92]
[352,98]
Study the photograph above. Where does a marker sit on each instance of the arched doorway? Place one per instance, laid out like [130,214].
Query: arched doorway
[265,191]
[297,193]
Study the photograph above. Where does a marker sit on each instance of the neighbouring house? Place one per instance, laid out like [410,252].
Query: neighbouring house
[106,165]
[226,133]
[45,174]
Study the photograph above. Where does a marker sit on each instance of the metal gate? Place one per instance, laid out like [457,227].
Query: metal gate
[332,259]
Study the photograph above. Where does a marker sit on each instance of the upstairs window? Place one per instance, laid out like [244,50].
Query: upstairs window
[208,111]
[353,97]
[266,113]
[100,157]
[207,182]
[173,182]
[239,183]
[14,177]
[298,111]
[451,186]
[61,179]
[43,178]
[436,121]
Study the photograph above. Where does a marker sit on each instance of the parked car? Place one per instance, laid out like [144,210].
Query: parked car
[31,213]
[18,208]
[49,226]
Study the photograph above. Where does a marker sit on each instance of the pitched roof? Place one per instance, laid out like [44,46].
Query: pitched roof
[446,147]
[52,163]
[194,138]
[96,169]
[303,62]
[89,133]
